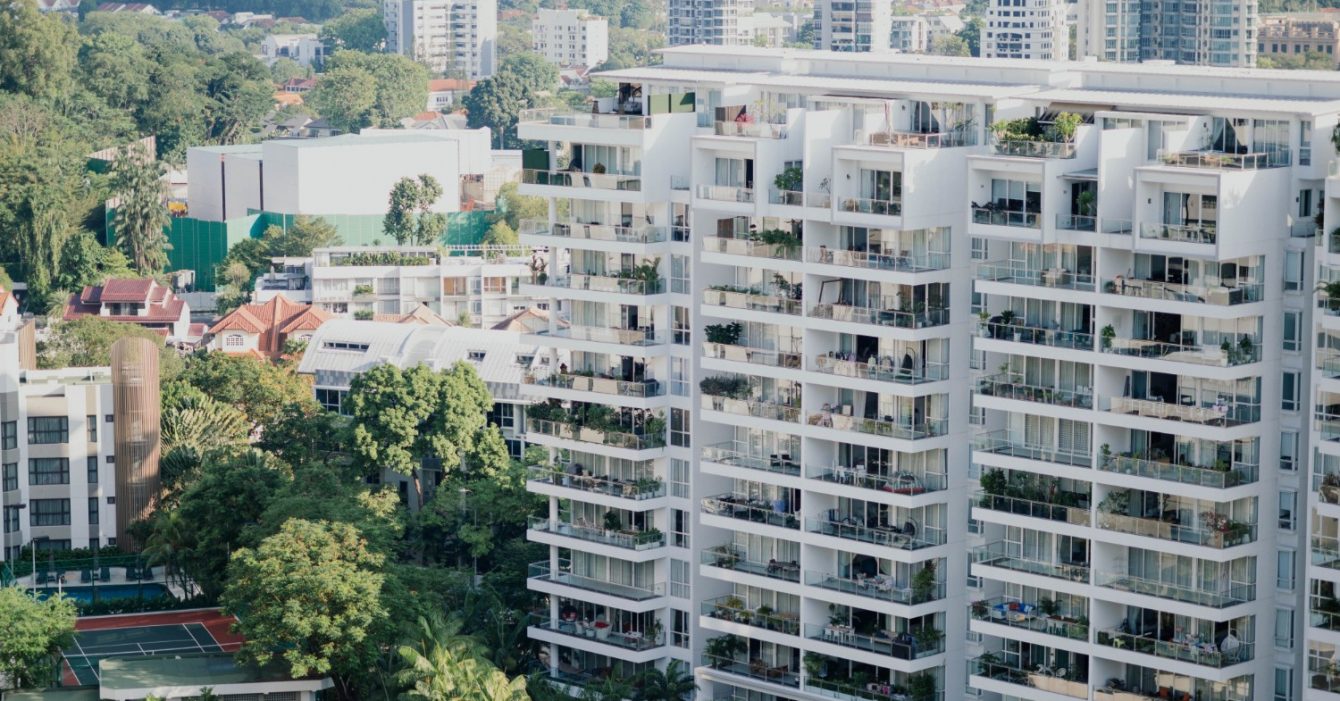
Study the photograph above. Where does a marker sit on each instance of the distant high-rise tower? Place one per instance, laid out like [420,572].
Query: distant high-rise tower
[446,35]
[711,22]
[1195,32]
[135,396]
[1030,29]
[853,25]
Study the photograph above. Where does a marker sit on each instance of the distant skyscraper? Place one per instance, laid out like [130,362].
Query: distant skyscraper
[1196,32]
[446,35]
[1032,29]
[853,25]
[710,22]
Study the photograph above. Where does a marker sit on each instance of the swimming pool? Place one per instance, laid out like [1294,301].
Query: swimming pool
[108,592]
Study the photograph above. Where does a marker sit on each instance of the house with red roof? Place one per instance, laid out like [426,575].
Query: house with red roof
[9,308]
[135,301]
[263,329]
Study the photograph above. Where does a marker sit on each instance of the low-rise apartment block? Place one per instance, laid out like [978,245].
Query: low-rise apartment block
[1295,35]
[570,37]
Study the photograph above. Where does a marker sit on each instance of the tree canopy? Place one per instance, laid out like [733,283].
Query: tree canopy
[495,102]
[32,634]
[362,89]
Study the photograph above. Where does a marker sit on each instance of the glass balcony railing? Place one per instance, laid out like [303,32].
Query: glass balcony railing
[1220,161]
[880,587]
[571,476]
[600,334]
[881,317]
[731,608]
[865,205]
[595,232]
[830,364]
[901,646]
[1010,386]
[748,407]
[746,508]
[1328,363]
[758,130]
[867,260]
[1076,222]
[1007,556]
[1028,679]
[1216,414]
[790,198]
[757,301]
[751,248]
[756,669]
[621,283]
[908,431]
[1049,511]
[888,535]
[1037,277]
[1232,474]
[855,689]
[582,180]
[1213,356]
[1325,552]
[1000,217]
[1232,534]
[632,640]
[1036,335]
[541,571]
[858,475]
[1003,442]
[819,200]
[1016,614]
[573,118]
[1129,693]
[734,455]
[736,558]
[1032,149]
[1183,233]
[1206,654]
[599,385]
[909,139]
[1223,295]
[575,432]
[1226,593]
[749,354]
[631,539]
[726,193]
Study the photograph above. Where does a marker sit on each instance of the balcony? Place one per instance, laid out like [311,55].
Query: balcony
[582,180]
[1218,160]
[1325,552]
[600,385]
[1046,510]
[1231,594]
[726,193]
[1010,386]
[881,317]
[571,476]
[1224,355]
[790,198]
[1030,617]
[732,297]
[1225,533]
[754,669]
[908,431]
[1017,274]
[1023,148]
[1181,233]
[881,587]
[988,667]
[996,327]
[737,559]
[909,536]
[902,646]
[998,217]
[630,539]
[1222,295]
[1221,476]
[869,260]
[595,232]
[1323,674]
[633,640]
[540,571]
[576,432]
[600,334]
[755,130]
[753,356]
[912,139]
[882,371]
[732,608]
[865,205]
[1204,653]
[881,480]
[573,118]
[1123,692]
[753,248]
[622,282]
[1218,413]
[731,453]
[1007,556]
[756,510]
[1002,442]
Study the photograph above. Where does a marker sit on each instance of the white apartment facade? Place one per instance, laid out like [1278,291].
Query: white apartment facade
[945,395]
[853,25]
[449,36]
[303,49]
[1200,32]
[571,37]
[718,22]
[1027,29]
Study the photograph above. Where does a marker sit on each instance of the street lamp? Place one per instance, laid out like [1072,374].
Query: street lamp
[32,546]
[465,491]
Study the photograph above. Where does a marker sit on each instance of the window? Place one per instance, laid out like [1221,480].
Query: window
[495,285]
[680,630]
[1293,271]
[477,356]
[1284,628]
[232,340]
[92,511]
[1284,567]
[679,274]
[680,579]
[679,323]
[679,382]
[679,478]
[344,346]
[679,428]
[973,582]
[11,519]
[330,399]
[1289,390]
[92,469]
[679,528]
[108,418]
[46,430]
[49,512]
[92,429]
[11,475]
[979,248]
[48,471]
[1288,509]
[1288,450]
[1283,684]
[9,435]
[1293,331]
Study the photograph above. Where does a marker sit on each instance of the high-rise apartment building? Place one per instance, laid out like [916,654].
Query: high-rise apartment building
[449,36]
[1029,29]
[856,388]
[1197,32]
[718,22]
[570,37]
[853,25]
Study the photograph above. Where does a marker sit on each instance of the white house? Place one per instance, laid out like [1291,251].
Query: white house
[304,49]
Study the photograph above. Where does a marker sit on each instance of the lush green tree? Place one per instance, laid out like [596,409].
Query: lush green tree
[32,634]
[514,207]
[409,214]
[346,96]
[168,544]
[442,664]
[84,261]
[303,433]
[513,40]
[193,419]
[356,30]
[324,491]
[674,684]
[473,515]
[400,87]
[1310,61]
[115,68]
[286,69]
[141,213]
[37,51]
[305,234]
[391,411]
[495,102]
[239,94]
[309,596]
[971,34]
[949,45]
[259,388]
[430,225]
[87,342]
[629,48]
[500,234]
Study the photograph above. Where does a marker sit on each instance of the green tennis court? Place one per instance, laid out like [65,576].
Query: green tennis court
[92,646]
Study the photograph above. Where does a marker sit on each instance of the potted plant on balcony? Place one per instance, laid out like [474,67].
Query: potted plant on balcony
[1048,606]
[993,481]
[980,609]
[927,638]
[1246,349]
[648,273]
[1108,334]
[1106,454]
[612,521]
[1330,488]
[725,334]
[923,584]
[790,179]
[816,666]
[921,687]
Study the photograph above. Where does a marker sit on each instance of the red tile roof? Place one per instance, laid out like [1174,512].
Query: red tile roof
[164,307]
[272,321]
[444,84]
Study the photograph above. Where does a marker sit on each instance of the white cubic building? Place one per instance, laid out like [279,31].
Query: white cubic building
[940,392]
[449,36]
[571,37]
[304,49]
[1029,29]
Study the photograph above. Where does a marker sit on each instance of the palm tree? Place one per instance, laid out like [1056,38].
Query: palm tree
[442,664]
[141,213]
[674,684]
[611,688]
[166,545]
